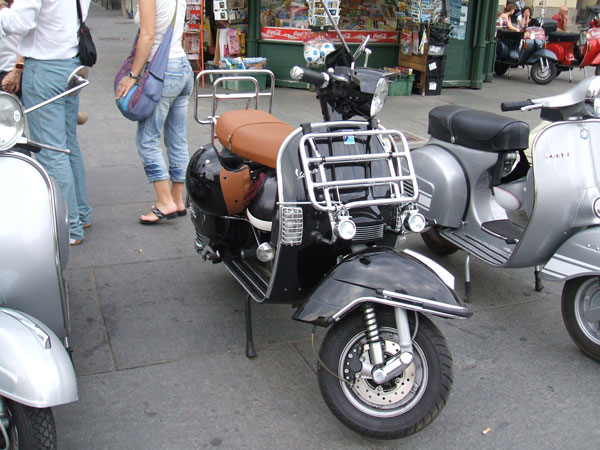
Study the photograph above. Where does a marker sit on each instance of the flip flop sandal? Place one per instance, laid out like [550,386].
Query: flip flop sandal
[158,213]
[182,213]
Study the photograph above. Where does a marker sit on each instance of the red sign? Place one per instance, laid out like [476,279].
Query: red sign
[301,35]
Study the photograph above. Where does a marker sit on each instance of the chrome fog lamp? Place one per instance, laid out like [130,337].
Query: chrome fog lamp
[345,229]
[12,120]
[381,93]
[597,207]
[416,222]
[592,95]
[265,252]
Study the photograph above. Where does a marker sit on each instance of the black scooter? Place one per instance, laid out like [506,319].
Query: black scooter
[528,48]
[300,216]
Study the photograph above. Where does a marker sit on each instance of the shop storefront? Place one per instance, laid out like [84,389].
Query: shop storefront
[278,29]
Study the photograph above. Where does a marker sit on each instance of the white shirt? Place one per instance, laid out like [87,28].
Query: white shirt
[9,50]
[164,14]
[49,27]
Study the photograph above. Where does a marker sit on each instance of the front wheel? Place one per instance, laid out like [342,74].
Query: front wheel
[26,427]
[543,73]
[394,409]
[581,313]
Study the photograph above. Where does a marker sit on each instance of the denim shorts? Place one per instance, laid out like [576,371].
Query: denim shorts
[169,116]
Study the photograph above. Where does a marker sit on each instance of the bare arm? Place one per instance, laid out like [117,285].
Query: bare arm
[144,45]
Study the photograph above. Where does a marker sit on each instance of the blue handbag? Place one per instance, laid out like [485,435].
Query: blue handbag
[143,97]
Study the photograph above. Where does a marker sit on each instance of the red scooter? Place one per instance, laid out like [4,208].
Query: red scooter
[576,49]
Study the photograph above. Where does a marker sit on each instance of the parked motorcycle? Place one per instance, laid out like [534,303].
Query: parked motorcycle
[299,215]
[574,49]
[470,190]
[528,48]
[36,372]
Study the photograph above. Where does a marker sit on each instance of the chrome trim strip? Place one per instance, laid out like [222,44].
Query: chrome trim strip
[395,303]
[35,329]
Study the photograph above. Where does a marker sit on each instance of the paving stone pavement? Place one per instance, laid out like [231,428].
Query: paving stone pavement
[159,336]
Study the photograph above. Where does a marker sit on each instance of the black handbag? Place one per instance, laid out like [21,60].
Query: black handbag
[87,49]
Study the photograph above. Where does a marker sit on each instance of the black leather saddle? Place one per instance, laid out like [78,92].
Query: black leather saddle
[479,130]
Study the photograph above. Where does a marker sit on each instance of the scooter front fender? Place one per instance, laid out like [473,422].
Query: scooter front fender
[577,256]
[35,368]
[542,53]
[408,280]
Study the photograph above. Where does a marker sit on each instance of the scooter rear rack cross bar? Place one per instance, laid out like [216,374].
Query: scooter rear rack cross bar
[399,165]
[217,95]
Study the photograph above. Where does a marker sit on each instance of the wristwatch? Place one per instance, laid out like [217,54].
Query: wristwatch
[19,66]
[131,75]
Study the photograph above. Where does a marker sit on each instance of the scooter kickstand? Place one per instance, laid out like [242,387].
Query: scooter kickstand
[538,281]
[250,351]
[468,279]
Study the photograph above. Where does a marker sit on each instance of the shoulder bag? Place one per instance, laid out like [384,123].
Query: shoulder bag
[87,49]
[142,98]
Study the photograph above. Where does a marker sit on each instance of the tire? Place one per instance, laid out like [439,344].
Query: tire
[597,71]
[28,428]
[500,68]
[579,297]
[430,373]
[437,244]
[541,76]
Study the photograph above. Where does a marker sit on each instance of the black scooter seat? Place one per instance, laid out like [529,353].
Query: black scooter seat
[562,36]
[501,33]
[479,130]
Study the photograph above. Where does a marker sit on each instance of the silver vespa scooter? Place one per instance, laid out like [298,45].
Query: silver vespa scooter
[481,195]
[36,372]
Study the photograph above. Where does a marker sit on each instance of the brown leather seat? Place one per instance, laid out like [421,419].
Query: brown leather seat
[253,134]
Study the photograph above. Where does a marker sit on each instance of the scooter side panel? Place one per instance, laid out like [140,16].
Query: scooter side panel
[30,273]
[565,170]
[444,183]
[29,373]
[367,274]
[578,256]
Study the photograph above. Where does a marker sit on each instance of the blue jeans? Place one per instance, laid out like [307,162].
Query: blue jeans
[171,115]
[56,124]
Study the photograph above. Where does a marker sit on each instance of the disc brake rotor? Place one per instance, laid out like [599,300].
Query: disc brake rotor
[390,393]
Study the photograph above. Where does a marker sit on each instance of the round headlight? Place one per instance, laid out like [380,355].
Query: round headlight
[381,92]
[416,222]
[597,207]
[345,229]
[12,120]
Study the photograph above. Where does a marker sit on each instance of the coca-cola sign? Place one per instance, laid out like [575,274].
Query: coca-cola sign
[301,35]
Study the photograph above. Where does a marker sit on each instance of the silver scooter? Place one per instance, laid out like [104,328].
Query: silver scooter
[36,371]
[480,195]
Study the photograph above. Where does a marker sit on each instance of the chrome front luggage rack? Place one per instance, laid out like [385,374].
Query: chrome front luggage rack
[395,169]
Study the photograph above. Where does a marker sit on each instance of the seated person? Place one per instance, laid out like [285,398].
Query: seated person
[562,17]
[504,19]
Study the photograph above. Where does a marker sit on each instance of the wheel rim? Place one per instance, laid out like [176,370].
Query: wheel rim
[7,425]
[587,309]
[390,399]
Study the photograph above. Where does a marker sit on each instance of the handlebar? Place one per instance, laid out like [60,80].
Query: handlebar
[515,106]
[319,79]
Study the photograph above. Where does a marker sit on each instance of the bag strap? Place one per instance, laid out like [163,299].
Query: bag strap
[79,11]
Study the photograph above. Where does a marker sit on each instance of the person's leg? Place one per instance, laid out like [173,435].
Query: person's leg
[148,144]
[180,80]
[41,81]
[76,159]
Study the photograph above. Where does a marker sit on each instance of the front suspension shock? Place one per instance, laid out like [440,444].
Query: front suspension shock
[373,337]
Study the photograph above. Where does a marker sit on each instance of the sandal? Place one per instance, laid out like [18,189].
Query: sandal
[158,213]
[182,213]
